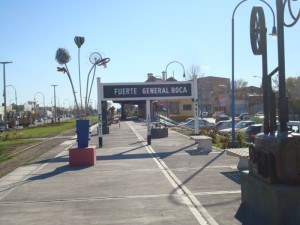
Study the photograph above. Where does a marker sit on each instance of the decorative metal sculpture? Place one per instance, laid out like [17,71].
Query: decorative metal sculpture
[97,60]
[79,42]
[275,156]
[63,57]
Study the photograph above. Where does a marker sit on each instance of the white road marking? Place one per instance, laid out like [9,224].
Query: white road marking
[199,212]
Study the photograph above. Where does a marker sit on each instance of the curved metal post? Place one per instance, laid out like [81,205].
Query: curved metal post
[232,75]
[166,74]
[233,66]
[16,98]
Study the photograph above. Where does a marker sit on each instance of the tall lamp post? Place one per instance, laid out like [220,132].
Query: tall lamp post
[165,73]
[69,103]
[274,33]
[43,102]
[54,85]
[280,7]
[16,98]
[4,93]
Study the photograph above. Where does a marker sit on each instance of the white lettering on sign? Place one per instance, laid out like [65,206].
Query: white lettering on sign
[125,91]
[155,90]
[179,90]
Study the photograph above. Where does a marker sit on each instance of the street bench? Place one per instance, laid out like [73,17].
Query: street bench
[204,142]
[242,153]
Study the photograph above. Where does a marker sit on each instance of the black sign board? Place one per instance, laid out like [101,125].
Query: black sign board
[147,91]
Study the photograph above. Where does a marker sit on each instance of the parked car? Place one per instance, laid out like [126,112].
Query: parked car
[191,124]
[251,131]
[11,123]
[205,114]
[244,116]
[240,125]
[192,118]
[218,113]
[2,127]
[260,114]
[293,126]
[221,118]
[223,124]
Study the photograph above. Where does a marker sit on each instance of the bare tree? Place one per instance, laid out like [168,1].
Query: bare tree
[240,83]
[194,70]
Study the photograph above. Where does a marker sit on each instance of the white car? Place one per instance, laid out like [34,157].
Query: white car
[191,124]
[240,125]
[293,126]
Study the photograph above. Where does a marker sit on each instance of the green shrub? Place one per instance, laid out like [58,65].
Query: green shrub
[209,131]
[224,141]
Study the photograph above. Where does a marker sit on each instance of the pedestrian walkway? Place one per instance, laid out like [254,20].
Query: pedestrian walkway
[169,182]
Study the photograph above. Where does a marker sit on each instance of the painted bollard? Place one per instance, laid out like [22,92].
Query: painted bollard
[83,133]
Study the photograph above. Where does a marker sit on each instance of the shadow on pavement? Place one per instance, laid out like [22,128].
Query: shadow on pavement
[122,155]
[57,171]
[233,175]
[183,183]
[51,160]
[247,217]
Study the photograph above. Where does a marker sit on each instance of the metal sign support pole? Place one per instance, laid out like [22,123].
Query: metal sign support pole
[148,114]
[195,94]
[99,89]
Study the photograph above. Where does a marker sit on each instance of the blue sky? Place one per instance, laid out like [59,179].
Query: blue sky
[139,36]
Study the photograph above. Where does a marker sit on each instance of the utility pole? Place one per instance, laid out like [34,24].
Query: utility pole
[54,85]
[4,93]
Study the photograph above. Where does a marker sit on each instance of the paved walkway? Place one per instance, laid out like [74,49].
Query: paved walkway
[169,182]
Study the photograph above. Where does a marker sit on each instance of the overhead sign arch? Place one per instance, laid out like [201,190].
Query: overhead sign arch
[146,91]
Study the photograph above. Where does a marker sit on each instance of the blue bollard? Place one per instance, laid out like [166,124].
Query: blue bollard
[83,133]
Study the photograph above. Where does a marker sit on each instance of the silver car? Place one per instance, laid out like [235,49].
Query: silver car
[223,124]
[201,123]
[238,126]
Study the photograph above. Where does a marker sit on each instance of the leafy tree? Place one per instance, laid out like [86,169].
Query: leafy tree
[292,88]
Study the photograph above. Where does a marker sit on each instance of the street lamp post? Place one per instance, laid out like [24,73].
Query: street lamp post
[54,85]
[4,93]
[201,104]
[69,103]
[165,73]
[283,109]
[43,102]
[16,98]
[224,92]
[274,33]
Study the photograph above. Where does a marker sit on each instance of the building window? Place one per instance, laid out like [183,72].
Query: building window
[174,108]
[187,107]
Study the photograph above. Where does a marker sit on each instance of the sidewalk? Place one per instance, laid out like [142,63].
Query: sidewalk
[169,182]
